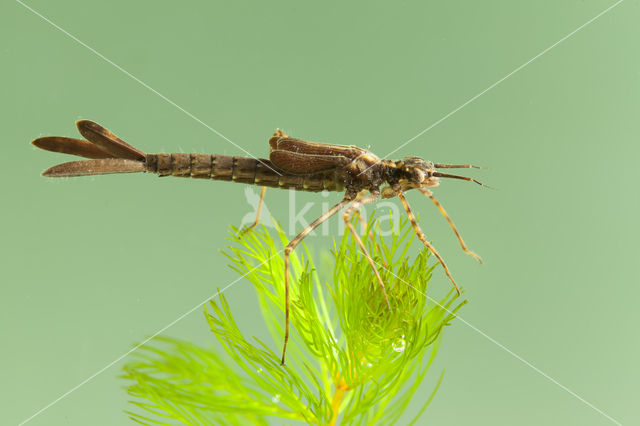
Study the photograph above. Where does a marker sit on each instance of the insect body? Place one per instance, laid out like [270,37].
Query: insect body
[292,164]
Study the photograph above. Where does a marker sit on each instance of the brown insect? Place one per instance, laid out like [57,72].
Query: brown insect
[292,164]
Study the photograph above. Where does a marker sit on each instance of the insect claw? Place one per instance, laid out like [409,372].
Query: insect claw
[475,256]
[246,229]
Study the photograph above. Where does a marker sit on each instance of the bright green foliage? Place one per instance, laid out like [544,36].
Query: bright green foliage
[350,359]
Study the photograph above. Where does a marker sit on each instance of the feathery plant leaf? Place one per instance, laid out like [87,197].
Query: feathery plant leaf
[350,359]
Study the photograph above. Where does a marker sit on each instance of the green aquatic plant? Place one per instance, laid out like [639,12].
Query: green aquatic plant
[350,360]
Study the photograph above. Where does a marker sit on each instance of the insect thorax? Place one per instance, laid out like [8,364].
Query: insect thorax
[367,171]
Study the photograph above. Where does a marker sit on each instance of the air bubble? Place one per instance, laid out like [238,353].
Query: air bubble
[399,345]
[365,363]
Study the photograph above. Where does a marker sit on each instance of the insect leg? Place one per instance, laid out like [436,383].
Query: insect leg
[292,245]
[258,210]
[422,237]
[347,220]
[373,239]
[446,216]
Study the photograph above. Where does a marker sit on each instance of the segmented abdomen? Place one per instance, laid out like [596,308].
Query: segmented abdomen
[239,169]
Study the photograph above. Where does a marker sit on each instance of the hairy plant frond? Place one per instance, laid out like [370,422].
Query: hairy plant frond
[351,360]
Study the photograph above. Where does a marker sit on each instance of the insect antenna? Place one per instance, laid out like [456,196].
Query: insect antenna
[456,166]
[447,175]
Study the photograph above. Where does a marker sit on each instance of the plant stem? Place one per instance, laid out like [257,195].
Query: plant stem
[341,388]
